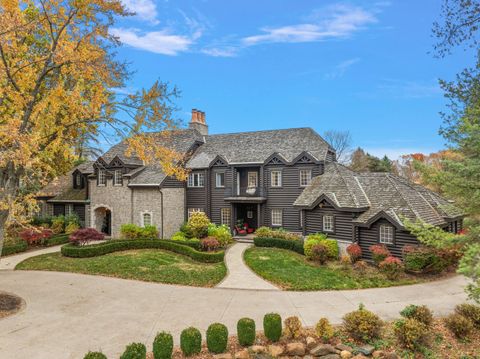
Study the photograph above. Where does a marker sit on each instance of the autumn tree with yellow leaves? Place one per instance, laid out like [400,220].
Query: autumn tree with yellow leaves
[58,76]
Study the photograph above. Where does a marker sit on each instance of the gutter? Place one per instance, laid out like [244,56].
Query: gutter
[161,206]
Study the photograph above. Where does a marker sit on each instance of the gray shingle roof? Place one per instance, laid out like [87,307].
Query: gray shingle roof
[258,146]
[376,193]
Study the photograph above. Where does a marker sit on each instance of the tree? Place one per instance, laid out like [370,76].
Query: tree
[341,141]
[365,162]
[57,75]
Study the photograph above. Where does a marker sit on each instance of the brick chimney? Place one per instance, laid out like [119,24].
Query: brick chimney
[198,122]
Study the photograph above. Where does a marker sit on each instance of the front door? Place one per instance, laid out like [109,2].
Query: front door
[247,213]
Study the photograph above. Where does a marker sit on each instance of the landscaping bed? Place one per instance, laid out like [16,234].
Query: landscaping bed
[152,265]
[9,304]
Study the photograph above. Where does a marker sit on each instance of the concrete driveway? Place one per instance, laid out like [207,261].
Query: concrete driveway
[68,314]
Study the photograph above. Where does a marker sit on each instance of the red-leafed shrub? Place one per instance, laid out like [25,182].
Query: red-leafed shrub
[84,235]
[391,267]
[379,253]
[355,252]
[210,244]
[320,253]
[35,235]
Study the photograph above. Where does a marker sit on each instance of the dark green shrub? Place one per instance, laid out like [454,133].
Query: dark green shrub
[362,324]
[163,346]
[418,312]
[411,333]
[217,338]
[471,312]
[135,351]
[20,246]
[58,239]
[185,229]
[246,332]
[95,355]
[292,245]
[272,326]
[191,341]
[423,260]
[459,325]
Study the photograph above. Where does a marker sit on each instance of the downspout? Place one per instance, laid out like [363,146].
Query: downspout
[161,206]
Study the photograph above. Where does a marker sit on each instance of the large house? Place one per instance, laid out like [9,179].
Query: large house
[280,178]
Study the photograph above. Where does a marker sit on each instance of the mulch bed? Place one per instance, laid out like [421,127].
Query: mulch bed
[9,304]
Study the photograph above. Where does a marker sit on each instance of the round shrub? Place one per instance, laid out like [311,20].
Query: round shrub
[163,346]
[135,351]
[411,333]
[469,311]
[379,253]
[418,312]
[324,329]
[460,326]
[362,324]
[217,338]
[320,253]
[320,238]
[95,355]
[355,252]
[246,332]
[272,326]
[83,236]
[198,224]
[292,327]
[391,267]
[191,341]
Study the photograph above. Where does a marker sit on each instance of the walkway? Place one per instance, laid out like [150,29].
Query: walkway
[11,261]
[239,275]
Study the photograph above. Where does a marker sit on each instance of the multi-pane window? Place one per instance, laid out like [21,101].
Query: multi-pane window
[102,179]
[386,234]
[117,178]
[193,210]
[78,180]
[196,180]
[220,179]
[68,209]
[277,215]
[252,179]
[225,216]
[305,177]
[328,223]
[276,178]
[147,219]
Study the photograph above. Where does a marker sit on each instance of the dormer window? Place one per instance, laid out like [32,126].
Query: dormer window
[386,234]
[78,180]
[117,178]
[102,179]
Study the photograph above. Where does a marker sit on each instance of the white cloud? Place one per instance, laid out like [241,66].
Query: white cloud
[229,51]
[159,42]
[144,9]
[341,68]
[336,21]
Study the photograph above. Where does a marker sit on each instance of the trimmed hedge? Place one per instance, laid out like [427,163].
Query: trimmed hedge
[94,250]
[292,245]
[135,351]
[163,346]
[246,332]
[217,338]
[58,239]
[95,355]
[191,341]
[272,326]
[14,248]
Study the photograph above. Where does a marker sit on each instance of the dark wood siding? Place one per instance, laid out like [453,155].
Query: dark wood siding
[197,196]
[79,209]
[217,195]
[343,227]
[172,182]
[58,209]
[370,236]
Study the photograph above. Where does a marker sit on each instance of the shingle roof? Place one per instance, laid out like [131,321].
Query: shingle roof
[258,146]
[377,193]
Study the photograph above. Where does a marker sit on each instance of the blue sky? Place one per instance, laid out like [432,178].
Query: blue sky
[362,66]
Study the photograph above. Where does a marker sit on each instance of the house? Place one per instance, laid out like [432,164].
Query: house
[279,178]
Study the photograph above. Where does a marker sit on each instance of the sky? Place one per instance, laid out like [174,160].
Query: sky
[362,66]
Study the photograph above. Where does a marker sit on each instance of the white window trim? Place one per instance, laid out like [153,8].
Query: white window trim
[102,174]
[191,180]
[78,180]
[382,233]
[222,216]
[279,184]
[277,224]
[68,209]
[217,178]
[308,177]
[332,229]
[256,179]
[142,219]
[192,210]
[117,177]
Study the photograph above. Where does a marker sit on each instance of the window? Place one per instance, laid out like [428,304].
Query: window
[277,215]
[252,179]
[196,180]
[102,180]
[146,219]
[276,178]
[220,179]
[225,216]
[117,178]
[328,223]
[78,180]
[305,177]
[249,214]
[386,234]
[193,210]
[68,209]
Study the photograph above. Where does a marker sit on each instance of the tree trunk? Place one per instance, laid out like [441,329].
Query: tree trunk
[3,221]
[9,186]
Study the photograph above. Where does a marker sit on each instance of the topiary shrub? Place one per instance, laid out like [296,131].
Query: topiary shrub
[320,253]
[85,235]
[355,252]
[135,351]
[191,341]
[95,355]
[198,224]
[411,333]
[362,324]
[418,312]
[246,332]
[379,253]
[324,329]
[469,311]
[460,326]
[217,338]
[292,327]
[392,267]
[163,346]
[272,326]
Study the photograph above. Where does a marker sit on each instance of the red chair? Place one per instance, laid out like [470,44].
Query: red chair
[240,231]
[249,230]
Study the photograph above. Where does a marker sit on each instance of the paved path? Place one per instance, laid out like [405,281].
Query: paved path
[239,275]
[11,261]
[68,314]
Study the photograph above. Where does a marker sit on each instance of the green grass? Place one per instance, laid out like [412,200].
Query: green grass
[150,265]
[292,271]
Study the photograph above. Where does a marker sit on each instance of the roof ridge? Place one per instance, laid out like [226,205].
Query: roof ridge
[403,197]
[355,200]
[362,189]
[260,131]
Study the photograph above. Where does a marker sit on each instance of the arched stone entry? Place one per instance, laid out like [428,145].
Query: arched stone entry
[103,220]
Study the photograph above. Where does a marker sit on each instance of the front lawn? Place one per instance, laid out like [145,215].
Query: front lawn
[292,271]
[150,265]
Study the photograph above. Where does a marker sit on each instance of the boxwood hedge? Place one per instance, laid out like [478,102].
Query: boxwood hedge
[58,239]
[14,248]
[293,245]
[94,250]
